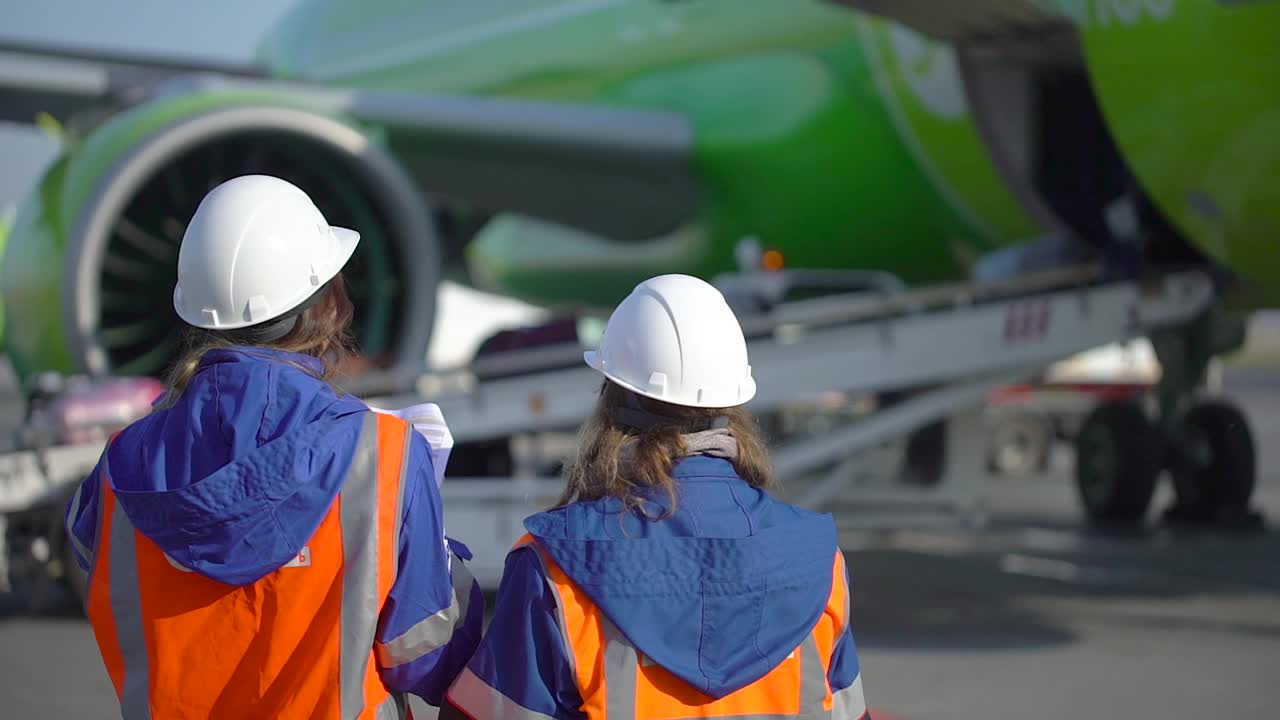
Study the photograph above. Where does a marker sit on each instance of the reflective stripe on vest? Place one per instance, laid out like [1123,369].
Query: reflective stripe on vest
[297,643]
[435,631]
[617,683]
[70,533]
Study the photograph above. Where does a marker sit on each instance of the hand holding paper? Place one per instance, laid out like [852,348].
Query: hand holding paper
[428,421]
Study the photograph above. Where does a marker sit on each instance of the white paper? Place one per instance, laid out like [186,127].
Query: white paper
[428,421]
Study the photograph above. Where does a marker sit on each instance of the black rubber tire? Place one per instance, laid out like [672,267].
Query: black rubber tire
[1224,479]
[1034,437]
[924,457]
[1118,460]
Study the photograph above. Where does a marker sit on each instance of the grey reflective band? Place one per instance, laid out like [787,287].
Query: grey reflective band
[463,584]
[849,703]
[71,519]
[813,678]
[621,664]
[434,632]
[126,607]
[427,636]
[560,621]
[97,539]
[358,513]
[471,695]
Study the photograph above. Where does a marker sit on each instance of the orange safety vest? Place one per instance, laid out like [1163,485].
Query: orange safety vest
[617,683]
[298,643]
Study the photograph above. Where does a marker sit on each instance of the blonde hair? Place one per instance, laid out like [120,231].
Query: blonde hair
[322,331]
[598,469]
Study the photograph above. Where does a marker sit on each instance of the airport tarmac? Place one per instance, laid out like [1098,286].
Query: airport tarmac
[1033,617]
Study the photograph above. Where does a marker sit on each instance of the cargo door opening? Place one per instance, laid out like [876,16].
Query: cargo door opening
[1035,107]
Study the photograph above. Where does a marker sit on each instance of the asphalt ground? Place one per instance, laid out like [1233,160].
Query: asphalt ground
[1035,616]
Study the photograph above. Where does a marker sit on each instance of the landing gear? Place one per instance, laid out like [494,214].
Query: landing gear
[1209,450]
[1204,443]
[1215,469]
[1118,460]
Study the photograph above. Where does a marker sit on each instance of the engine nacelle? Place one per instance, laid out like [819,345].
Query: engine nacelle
[91,262]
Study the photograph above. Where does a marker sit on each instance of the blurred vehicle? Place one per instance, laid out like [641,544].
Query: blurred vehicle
[68,421]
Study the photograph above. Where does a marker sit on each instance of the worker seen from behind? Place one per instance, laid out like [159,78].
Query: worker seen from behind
[261,545]
[668,582]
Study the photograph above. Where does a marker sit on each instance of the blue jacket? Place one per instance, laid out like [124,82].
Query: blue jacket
[654,591]
[247,417]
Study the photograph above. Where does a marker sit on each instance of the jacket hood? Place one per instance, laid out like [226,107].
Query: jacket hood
[234,479]
[718,593]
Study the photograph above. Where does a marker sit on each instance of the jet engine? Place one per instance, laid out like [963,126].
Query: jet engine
[90,266]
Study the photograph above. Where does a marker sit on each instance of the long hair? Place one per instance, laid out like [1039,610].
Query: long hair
[599,470]
[322,331]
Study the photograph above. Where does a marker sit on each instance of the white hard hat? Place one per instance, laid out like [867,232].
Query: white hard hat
[675,339]
[256,248]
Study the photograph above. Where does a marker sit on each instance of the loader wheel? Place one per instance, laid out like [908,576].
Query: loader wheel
[1118,459]
[1020,445]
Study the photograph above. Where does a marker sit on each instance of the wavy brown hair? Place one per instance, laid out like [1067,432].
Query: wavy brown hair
[598,470]
[322,331]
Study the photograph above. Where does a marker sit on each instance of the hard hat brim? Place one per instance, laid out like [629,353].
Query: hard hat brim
[347,239]
[595,362]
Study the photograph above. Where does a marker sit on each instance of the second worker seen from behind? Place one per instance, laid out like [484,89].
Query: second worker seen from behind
[668,582]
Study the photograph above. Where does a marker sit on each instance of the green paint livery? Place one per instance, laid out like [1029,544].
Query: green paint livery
[1191,92]
[840,139]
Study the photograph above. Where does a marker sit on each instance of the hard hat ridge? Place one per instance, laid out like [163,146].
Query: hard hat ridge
[675,339]
[256,249]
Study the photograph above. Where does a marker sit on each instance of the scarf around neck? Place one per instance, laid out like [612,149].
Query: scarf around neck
[716,443]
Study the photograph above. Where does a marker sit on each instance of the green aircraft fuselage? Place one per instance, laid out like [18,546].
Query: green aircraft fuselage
[808,133]
[838,139]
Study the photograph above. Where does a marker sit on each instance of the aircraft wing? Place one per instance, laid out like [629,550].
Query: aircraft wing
[63,81]
[497,154]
